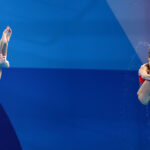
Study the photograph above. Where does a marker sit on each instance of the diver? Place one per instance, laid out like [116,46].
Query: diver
[3,48]
[144,80]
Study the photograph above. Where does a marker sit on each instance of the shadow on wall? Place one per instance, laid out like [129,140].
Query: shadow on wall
[8,138]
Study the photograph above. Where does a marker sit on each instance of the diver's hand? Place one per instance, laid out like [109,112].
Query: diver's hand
[6,34]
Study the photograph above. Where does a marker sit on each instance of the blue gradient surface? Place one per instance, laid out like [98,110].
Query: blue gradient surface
[75,109]
[66,88]
[64,34]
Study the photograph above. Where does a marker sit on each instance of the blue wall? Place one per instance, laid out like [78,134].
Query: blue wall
[73,79]
[75,109]
[66,34]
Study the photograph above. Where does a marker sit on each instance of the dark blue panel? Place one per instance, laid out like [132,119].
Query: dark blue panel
[75,109]
[8,138]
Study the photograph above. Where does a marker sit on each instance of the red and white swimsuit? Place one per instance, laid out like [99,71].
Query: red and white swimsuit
[141,80]
[142,69]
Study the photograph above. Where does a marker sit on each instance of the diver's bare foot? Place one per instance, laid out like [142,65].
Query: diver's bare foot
[6,34]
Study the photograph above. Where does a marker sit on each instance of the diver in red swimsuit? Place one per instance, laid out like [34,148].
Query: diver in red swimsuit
[144,80]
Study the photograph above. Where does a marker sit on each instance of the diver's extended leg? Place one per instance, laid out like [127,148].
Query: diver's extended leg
[3,54]
[144,93]
[0,73]
[4,45]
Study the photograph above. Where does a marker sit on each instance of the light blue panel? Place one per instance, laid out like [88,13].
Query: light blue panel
[133,16]
[66,34]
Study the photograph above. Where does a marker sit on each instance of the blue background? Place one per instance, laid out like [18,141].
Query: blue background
[65,34]
[73,79]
